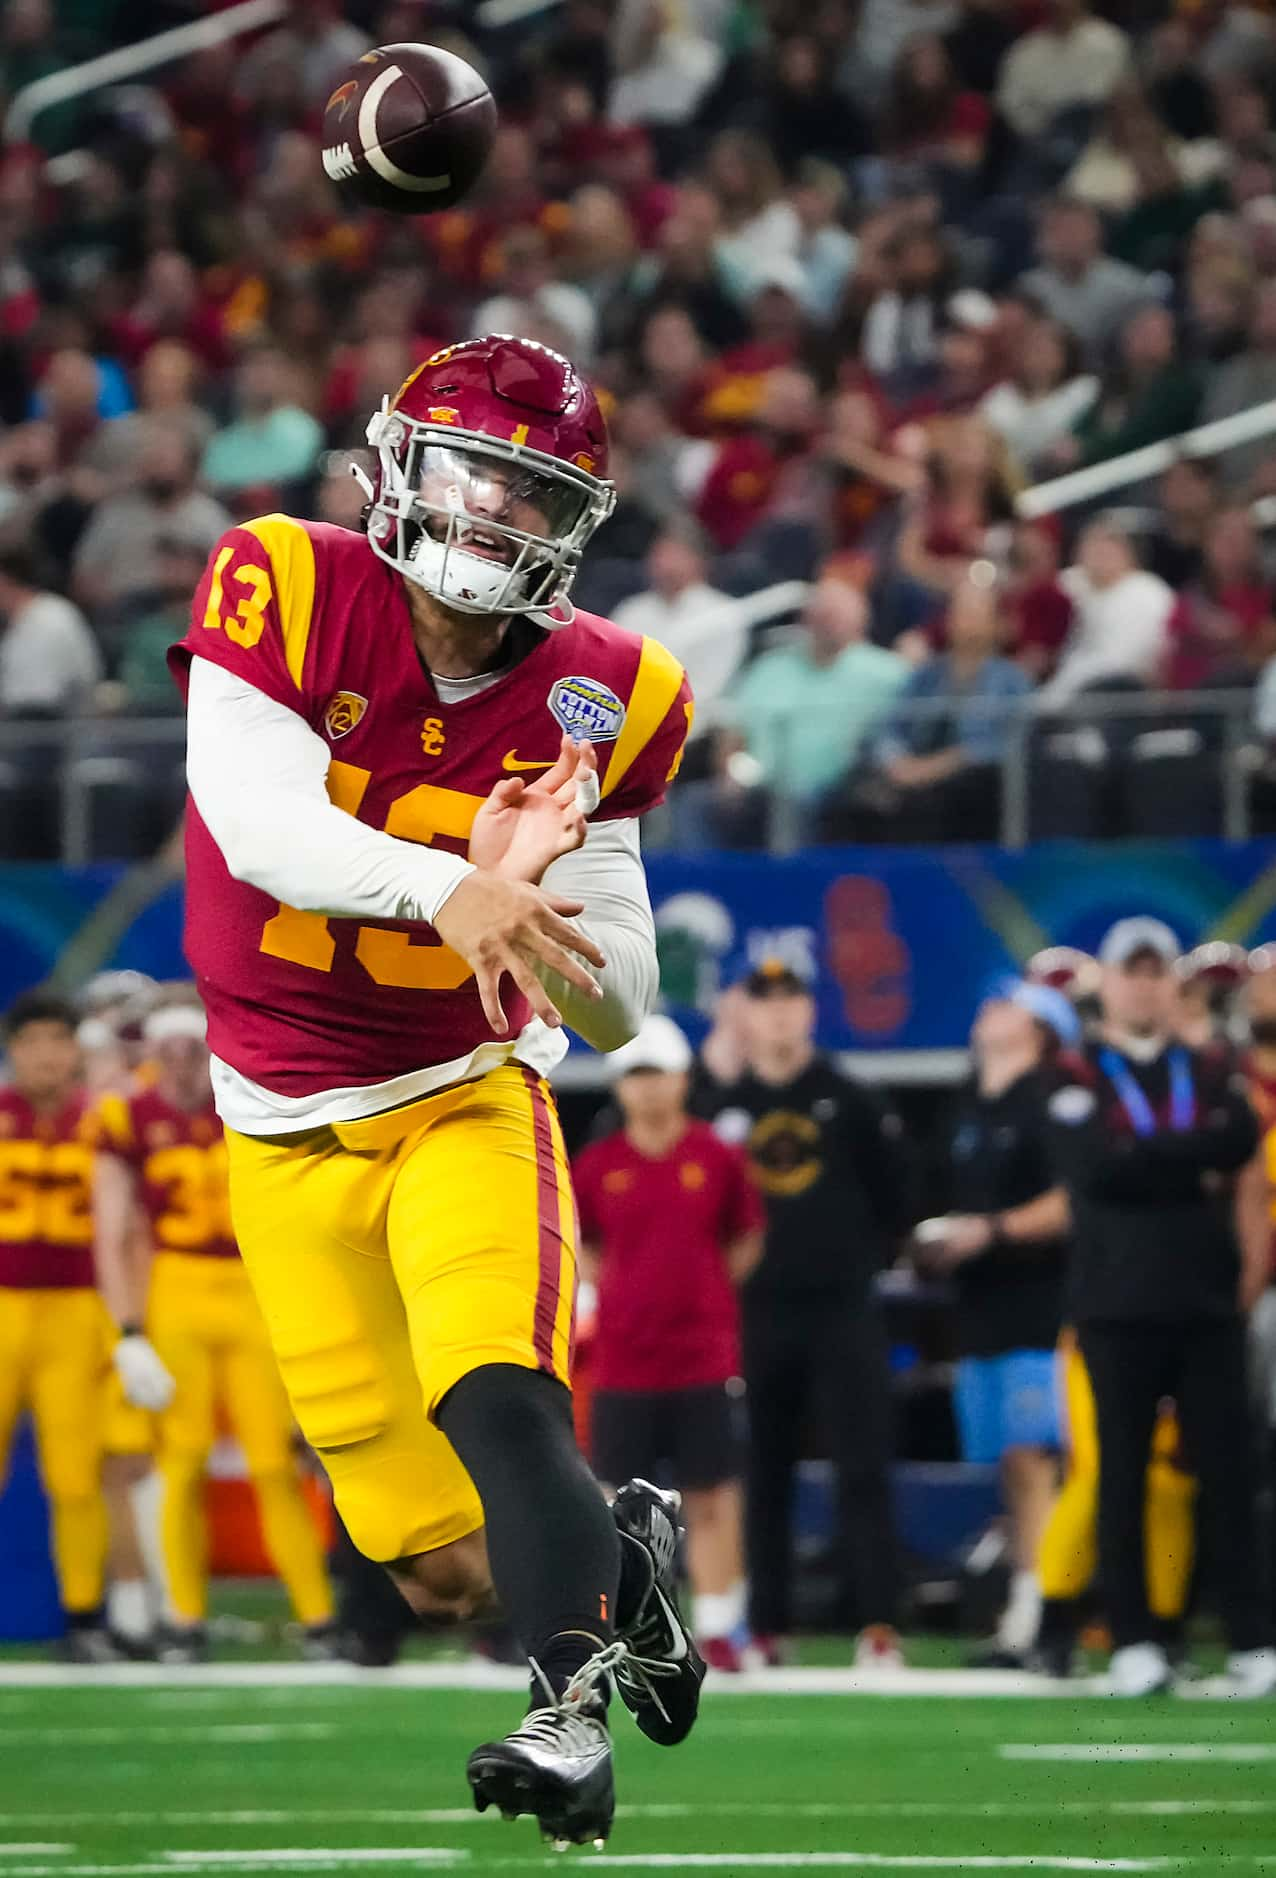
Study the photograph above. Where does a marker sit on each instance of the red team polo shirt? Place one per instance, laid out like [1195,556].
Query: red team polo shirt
[667,1313]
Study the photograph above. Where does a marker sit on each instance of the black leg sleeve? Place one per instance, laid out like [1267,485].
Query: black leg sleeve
[1127,1365]
[1214,1411]
[551,1539]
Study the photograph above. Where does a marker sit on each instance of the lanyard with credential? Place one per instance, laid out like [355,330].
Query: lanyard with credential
[1136,1104]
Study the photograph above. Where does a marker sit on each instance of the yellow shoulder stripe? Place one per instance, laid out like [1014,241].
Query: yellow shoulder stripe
[291,554]
[656,685]
[117,1124]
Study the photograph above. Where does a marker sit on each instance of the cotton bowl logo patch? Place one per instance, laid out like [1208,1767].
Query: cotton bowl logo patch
[344,710]
[585,707]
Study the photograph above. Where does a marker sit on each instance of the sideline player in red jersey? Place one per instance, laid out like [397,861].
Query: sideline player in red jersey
[52,1332]
[412,856]
[672,1224]
[192,1340]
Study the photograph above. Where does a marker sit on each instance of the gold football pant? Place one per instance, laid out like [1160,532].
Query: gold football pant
[393,1256]
[205,1325]
[1069,1546]
[52,1359]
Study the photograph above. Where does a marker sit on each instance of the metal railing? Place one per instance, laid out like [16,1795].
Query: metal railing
[111,68]
[77,759]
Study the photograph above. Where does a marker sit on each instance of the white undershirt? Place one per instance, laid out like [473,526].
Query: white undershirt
[257,773]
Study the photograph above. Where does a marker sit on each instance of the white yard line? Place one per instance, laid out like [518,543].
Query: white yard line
[488,1676]
[655,1810]
[320,1855]
[866,1861]
[214,1732]
[1247,1751]
[28,1850]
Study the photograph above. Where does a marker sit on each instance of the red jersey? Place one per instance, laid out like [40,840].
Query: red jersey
[179,1158]
[46,1196]
[308,614]
[667,1312]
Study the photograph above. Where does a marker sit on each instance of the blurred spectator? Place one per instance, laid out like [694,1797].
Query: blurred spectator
[1075,282]
[759,225]
[938,762]
[177,562]
[1221,629]
[318,43]
[697,622]
[1038,609]
[826,250]
[803,112]
[49,661]
[801,714]
[271,440]
[691,269]
[900,334]
[1152,392]
[1247,379]
[752,474]
[1186,499]
[959,520]
[665,65]
[172,305]
[927,114]
[1120,626]
[531,304]
[167,380]
[117,556]
[1071,61]
[1045,394]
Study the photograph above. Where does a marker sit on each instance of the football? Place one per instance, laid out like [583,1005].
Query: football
[409,129]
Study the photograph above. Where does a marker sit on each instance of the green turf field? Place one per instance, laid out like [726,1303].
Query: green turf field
[359,1778]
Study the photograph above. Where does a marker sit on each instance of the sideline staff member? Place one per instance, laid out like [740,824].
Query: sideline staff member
[832,1170]
[1003,1247]
[1148,1136]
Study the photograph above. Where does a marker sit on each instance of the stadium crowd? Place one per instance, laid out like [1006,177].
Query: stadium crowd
[851,276]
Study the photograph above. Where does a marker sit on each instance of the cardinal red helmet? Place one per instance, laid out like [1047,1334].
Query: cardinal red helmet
[493,467]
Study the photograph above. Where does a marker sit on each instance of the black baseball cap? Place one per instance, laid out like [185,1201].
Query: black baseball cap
[775,978]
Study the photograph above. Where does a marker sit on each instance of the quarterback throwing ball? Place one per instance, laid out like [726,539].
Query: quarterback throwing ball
[412,856]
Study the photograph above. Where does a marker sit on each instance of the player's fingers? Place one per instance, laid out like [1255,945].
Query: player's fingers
[565,934]
[564,768]
[568,908]
[488,979]
[550,953]
[509,791]
[521,971]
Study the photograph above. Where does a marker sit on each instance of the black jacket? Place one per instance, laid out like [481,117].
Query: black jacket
[833,1168]
[1154,1235]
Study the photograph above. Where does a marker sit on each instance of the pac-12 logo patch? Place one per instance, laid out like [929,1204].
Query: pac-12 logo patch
[344,709]
[585,707]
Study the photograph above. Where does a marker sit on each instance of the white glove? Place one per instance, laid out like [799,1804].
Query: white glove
[147,1383]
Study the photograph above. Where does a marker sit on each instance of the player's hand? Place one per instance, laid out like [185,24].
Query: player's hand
[147,1383]
[523,827]
[499,925]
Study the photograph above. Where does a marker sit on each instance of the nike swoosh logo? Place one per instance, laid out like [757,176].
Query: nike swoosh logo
[511,761]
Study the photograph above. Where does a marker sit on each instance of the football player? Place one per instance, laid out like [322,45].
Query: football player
[52,1349]
[412,856]
[192,1342]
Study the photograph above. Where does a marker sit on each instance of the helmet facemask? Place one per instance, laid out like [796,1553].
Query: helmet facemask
[487,527]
